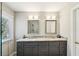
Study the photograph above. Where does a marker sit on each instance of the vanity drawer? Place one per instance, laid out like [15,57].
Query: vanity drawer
[19,43]
[43,43]
[30,43]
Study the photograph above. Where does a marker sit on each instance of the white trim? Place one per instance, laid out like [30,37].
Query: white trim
[13,54]
[73,51]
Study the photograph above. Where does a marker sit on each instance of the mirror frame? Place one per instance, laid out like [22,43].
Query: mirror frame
[55,26]
[28,26]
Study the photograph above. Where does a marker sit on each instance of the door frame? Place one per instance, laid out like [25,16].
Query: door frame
[73,29]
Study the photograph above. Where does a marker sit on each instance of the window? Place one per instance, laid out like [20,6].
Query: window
[5,29]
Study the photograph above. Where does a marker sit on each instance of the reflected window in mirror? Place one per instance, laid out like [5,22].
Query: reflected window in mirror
[50,26]
[33,26]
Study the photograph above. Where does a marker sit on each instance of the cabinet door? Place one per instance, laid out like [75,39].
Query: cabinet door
[35,49]
[54,48]
[19,48]
[43,48]
[63,48]
[27,50]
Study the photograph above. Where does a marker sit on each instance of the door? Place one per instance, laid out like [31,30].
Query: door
[76,39]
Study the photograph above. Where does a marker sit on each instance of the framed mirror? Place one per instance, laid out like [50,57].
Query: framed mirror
[50,26]
[33,26]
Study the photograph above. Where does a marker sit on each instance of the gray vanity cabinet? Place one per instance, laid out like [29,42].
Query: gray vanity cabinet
[43,48]
[54,48]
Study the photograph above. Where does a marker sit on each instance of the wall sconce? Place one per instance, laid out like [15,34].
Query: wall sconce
[30,17]
[48,17]
[51,17]
[33,17]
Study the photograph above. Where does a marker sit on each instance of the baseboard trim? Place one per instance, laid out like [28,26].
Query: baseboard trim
[13,54]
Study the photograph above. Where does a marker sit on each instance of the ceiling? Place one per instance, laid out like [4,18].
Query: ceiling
[36,6]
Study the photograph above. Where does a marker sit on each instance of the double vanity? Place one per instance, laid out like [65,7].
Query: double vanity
[42,32]
[42,47]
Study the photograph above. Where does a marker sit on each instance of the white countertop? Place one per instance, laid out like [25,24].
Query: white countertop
[43,39]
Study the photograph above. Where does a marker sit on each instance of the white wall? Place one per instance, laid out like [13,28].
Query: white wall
[8,46]
[65,25]
[21,22]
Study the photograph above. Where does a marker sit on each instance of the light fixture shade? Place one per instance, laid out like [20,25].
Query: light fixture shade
[30,17]
[36,17]
[48,17]
[51,17]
